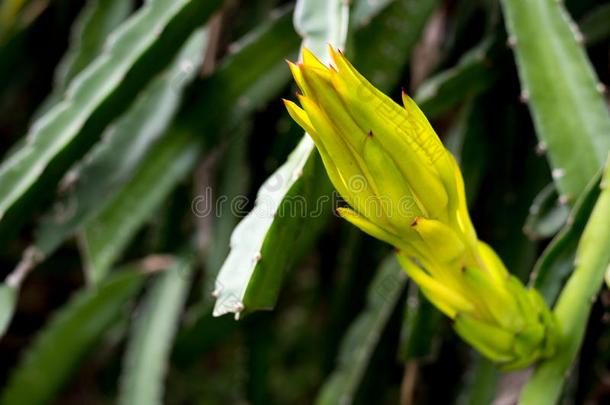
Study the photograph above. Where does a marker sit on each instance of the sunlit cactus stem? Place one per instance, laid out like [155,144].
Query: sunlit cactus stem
[574,304]
[405,188]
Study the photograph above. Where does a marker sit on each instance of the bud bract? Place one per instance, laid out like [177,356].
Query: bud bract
[405,188]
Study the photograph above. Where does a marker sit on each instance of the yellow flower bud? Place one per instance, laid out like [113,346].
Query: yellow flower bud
[406,189]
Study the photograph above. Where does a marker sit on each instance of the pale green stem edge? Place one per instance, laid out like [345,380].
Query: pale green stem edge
[575,301]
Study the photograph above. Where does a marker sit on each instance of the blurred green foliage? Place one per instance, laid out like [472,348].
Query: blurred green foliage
[136,136]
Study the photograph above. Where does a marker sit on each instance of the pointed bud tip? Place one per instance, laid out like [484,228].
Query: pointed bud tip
[331,49]
[293,65]
[288,103]
[335,53]
[308,55]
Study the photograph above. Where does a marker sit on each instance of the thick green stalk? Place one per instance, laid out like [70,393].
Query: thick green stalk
[563,92]
[574,304]
[319,22]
